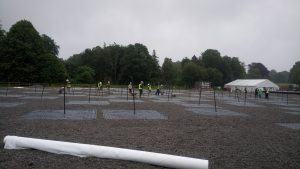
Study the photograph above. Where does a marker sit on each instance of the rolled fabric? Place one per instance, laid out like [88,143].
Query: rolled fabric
[87,150]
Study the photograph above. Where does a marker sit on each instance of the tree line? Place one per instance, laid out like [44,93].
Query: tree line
[27,56]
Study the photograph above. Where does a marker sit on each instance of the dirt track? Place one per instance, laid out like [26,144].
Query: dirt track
[234,142]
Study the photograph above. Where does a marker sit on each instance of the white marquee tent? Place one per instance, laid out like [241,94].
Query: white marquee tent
[251,84]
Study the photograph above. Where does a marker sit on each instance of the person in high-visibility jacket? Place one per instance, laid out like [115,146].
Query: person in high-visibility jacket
[149,88]
[68,85]
[100,86]
[141,88]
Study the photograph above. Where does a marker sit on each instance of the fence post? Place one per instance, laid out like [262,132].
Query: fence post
[215,100]
[200,92]
[89,93]
[7,88]
[64,99]
[133,95]
[43,91]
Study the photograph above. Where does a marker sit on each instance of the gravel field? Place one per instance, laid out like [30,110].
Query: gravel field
[252,137]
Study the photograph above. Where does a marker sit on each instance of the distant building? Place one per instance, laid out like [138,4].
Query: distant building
[251,84]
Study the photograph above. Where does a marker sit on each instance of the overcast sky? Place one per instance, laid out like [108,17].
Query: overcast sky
[266,31]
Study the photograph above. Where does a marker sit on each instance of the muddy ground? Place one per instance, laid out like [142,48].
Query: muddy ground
[250,140]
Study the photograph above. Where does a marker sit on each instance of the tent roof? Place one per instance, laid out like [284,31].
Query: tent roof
[252,83]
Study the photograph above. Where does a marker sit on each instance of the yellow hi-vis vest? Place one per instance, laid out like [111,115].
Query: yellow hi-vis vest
[140,86]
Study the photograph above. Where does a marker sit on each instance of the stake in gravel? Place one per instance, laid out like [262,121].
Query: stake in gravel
[89,93]
[172,92]
[7,88]
[65,99]
[43,91]
[200,92]
[127,94]
[168,93]
[133,99]
[215,100]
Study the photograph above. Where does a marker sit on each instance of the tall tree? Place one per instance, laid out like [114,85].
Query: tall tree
[134,64]
[214,76]
[51,69]
[178,72]
[257,71]
[295,73]
[153,67]
[279,77]
[238,68]
[21,47]
[212,59]
[50,45]
[84,74]
[190,74]
[27,57]
[168,71]
[2,33]
[184,61]
[226,69]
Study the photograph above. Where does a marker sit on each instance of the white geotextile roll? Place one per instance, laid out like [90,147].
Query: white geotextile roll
[86,150]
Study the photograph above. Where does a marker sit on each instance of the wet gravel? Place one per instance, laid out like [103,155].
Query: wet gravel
[255,140]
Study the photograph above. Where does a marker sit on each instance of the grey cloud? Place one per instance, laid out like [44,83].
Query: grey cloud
[264,31]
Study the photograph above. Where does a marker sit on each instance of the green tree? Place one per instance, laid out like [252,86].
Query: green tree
[295,73]
[232,69]
[21,47]
[178,72]
[117,63]
[51,69]
[2,33]
[257,71]
[2,63]
[153,67]
[28,57]
[184,61]
[237,68]
[254,74]
[226,69]
[214,76]
[197,61]
[50,45]
[134,66]
[212,59]
[115,53]
[168,72]
[190,74]
[84,74]
[279,77]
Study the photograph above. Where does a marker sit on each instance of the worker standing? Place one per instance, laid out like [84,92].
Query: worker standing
[100,86]
[130,88]
[68,85]
[260,93]
[157,90]
[266,93]
[141,88]
[149,88]
[256,92]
